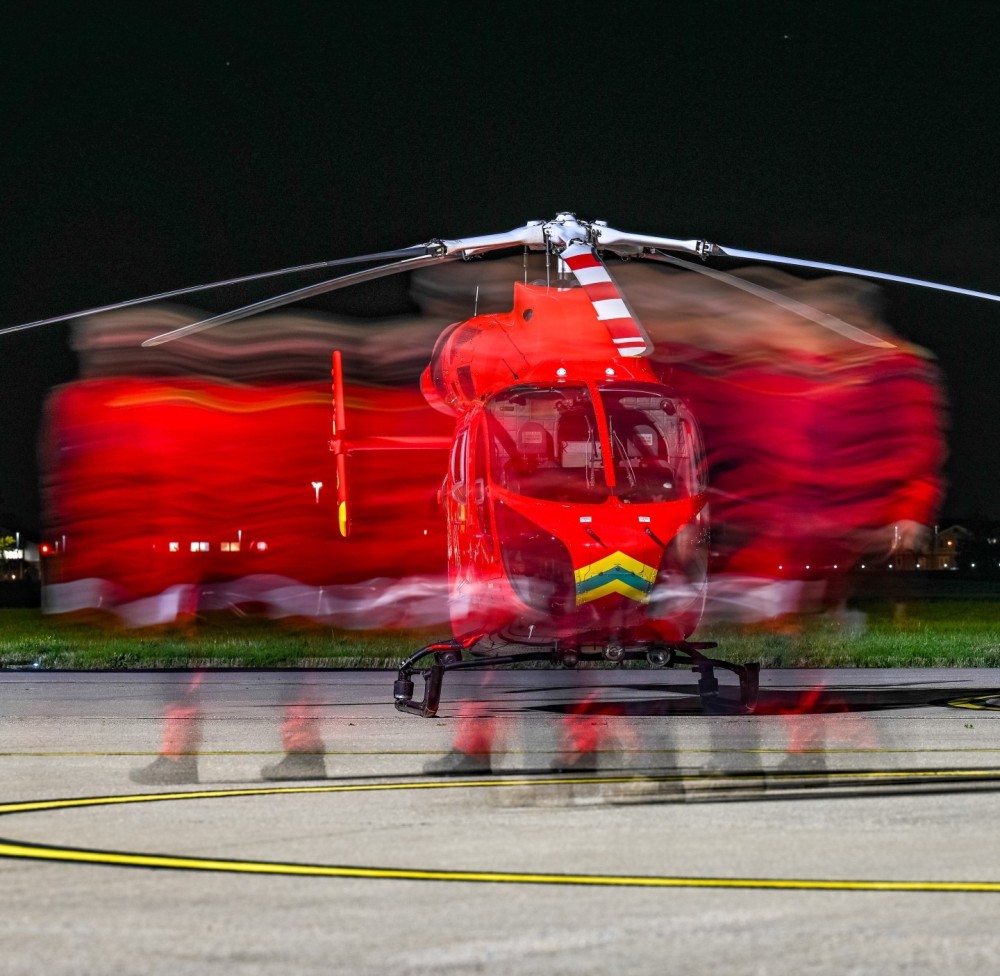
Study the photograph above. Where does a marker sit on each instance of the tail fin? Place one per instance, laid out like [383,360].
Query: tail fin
[338,443]
[626,331]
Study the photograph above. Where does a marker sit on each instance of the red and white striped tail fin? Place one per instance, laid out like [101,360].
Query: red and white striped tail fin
[626,331]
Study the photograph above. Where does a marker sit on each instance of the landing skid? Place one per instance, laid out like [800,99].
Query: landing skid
[455,655]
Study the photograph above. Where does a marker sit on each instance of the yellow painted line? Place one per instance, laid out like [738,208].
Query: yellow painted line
[978,702]
[146,753]
[34,806]
[903,773]
[40,852]
[828,778]
[91,754]
[94,754]
[111,858]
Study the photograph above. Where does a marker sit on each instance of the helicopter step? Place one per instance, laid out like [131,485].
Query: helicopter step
[455,655]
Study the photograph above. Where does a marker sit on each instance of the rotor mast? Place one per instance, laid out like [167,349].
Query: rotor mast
[563,230]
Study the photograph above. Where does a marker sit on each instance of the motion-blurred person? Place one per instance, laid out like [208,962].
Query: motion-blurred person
[580,740]
[198,476]
[184,730]
[825,432]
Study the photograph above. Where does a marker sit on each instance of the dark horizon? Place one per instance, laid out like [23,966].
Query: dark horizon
[157,148]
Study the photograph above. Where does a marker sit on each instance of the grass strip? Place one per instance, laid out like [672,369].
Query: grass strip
[925,634]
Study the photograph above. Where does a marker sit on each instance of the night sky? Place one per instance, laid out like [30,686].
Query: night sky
[149,146]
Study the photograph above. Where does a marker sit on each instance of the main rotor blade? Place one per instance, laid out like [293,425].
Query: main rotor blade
[310,291]
[843,269]
[384,255]
[626,331]
[769,295]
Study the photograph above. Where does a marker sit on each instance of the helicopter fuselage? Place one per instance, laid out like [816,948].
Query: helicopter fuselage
[575,495]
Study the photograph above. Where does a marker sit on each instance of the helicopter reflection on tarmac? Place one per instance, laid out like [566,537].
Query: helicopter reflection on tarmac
[196,476]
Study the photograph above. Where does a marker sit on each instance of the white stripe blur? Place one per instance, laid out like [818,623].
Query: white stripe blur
[592,276]
[611,308]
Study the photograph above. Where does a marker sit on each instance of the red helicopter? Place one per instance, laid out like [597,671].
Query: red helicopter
[575,495]
[575,492]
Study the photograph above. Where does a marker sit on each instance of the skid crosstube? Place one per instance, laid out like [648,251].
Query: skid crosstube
[449,656]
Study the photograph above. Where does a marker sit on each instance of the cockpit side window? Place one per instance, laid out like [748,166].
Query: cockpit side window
[457,468]
[480,494]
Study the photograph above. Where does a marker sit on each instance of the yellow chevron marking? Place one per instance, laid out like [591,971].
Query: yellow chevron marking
[610,568]
[610,562]
[614,586]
